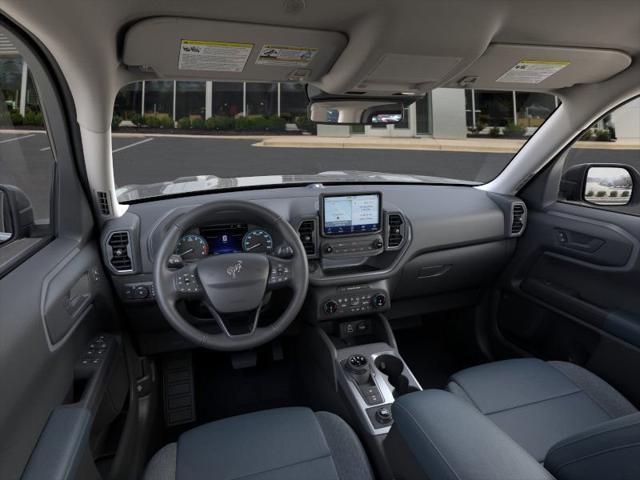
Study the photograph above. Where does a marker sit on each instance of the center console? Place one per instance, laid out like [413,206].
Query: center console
[359,358]
[372,376]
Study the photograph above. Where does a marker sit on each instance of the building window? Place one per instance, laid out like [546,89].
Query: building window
[293,101]
[262,99]
[423,124]
[469,106]
[10,80]
[190,99]
[533,108]
[227,99]
[158,98]
[32,101]
[493,109]
[128,102]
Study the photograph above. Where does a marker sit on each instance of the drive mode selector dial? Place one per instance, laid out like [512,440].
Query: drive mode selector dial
[358,366]
[357,362]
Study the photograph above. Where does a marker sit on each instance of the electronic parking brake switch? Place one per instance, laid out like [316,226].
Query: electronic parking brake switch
[358,367]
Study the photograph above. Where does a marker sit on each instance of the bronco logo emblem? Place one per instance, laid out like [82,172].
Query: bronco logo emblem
[234,270]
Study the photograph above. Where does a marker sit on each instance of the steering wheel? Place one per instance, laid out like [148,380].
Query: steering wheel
[232,283]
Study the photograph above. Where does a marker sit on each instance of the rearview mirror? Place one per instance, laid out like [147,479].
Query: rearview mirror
[608,186]
[356,111]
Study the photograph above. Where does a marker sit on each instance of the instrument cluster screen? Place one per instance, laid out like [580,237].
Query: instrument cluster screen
[224,238]
[351,214]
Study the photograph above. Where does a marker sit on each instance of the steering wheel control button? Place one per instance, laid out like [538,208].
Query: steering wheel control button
[279,274]
[186,283]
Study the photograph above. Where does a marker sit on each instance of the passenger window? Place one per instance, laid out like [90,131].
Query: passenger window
[602,169]
[27,162]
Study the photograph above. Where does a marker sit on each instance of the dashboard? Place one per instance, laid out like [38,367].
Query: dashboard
[393,249]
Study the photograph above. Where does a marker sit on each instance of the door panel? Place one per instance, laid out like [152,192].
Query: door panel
[571,291]
[56,402]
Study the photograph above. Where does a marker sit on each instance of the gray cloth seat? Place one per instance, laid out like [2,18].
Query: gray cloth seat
[539,404]
[284,443]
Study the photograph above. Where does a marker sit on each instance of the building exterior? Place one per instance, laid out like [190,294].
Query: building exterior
[443,113]
[16,84]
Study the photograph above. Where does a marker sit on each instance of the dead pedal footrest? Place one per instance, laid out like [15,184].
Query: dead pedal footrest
[177,383]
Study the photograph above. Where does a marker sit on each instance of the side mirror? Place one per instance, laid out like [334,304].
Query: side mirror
[608,186]
[603,185]
[16,214]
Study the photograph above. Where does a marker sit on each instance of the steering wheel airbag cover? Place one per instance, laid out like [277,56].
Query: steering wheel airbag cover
[234,282]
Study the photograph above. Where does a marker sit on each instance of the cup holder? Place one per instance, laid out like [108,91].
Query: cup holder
[393,367]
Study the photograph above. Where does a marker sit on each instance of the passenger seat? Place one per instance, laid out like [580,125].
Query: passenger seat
[539,404]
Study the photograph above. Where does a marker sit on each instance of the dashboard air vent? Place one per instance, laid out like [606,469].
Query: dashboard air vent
[396,230]
[119,252]
[307,232]
[518,218]
[103,203]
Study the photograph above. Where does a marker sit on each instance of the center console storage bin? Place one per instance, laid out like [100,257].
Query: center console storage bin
[437,436]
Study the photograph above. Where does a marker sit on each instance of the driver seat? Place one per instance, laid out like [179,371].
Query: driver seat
[284,443]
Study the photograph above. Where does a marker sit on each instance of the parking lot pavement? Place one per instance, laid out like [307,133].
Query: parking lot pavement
[26,161]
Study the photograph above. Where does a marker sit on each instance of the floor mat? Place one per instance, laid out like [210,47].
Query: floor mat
[223,392]
[437,346]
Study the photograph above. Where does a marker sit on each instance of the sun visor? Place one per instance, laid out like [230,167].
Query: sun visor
[179,48]
[529,67]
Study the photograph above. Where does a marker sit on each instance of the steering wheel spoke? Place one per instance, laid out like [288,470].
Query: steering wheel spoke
[280,273]
[225,324]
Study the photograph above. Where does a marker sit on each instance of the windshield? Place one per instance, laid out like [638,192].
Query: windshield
[179,137]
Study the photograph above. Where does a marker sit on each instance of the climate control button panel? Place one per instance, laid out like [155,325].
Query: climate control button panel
[354,302]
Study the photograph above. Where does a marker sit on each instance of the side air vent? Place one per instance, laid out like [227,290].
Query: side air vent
[103,203]
[307,232]
[518,218]
[120,252]
[396,231]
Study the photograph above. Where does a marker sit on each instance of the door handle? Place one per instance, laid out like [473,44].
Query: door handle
[78,296]
[578,241]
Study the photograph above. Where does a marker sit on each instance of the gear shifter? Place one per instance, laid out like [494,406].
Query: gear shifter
[358,366]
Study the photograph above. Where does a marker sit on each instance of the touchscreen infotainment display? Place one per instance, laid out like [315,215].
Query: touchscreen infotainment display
[348,214]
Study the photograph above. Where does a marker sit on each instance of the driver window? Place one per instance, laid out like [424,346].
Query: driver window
[26,158]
